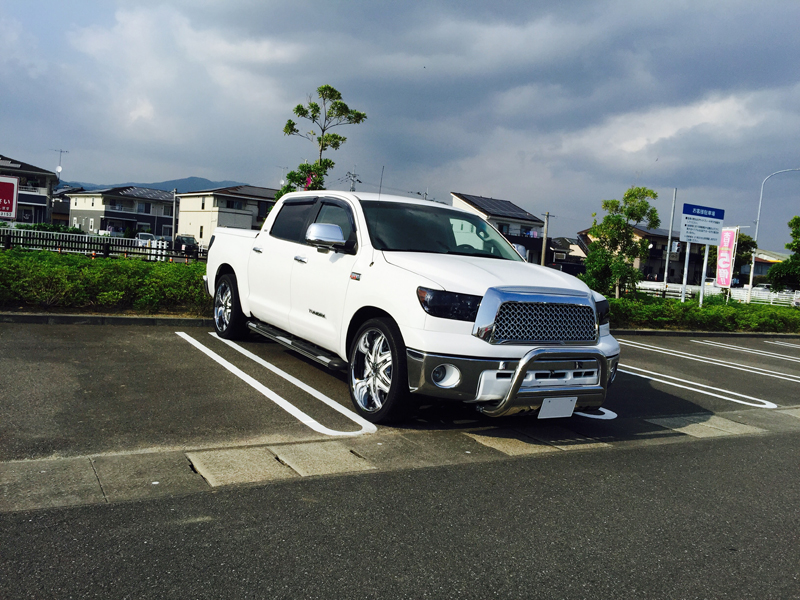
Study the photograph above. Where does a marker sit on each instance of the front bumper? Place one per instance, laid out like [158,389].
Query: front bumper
[505,387]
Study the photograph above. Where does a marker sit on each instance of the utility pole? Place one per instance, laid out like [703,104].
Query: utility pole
[60,152]
[544,238]
[174,213]
[669,240]
[353,179]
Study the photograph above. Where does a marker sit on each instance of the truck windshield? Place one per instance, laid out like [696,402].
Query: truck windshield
[399,227]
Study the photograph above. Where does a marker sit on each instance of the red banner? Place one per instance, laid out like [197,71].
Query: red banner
[726,255]
[9,187]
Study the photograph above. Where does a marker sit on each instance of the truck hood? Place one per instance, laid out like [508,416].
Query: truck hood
[474,275]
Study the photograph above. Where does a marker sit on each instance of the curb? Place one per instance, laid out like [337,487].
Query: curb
[684,333]
[50,319]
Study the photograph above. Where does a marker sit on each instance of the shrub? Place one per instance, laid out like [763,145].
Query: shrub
[51,280]
[714,315]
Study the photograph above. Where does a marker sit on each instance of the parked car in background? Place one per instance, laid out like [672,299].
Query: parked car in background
[145,239]
[186,244]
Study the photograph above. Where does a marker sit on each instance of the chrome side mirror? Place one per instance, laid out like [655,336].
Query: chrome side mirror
[325,235]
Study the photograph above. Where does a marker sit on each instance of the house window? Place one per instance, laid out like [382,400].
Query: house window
[201,232]
[203,204]
[526,231]
[76,203]
[143,207]
[75,220]
[235,204]
[503,227]
[92,201]
[91,224]
[167,210]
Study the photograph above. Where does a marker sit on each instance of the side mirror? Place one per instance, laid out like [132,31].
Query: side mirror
[325,235]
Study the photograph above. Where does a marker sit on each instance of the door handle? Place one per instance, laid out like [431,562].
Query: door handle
[301,259]
[257,249]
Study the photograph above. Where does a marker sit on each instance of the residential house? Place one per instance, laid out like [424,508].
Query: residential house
[520,227]
[35,189]
[569,255]
[118,209]
[240,206]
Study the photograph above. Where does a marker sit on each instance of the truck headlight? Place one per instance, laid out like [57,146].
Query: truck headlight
[449,305]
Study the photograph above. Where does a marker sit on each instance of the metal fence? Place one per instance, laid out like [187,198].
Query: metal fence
[673,290]
[92,245]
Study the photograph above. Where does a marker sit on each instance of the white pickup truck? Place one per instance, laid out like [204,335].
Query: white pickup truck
[413,297]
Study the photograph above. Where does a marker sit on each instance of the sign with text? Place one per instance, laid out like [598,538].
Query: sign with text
[701,224]
[9,188]
[726,255]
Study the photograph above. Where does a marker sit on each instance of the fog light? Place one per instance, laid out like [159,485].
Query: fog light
[446,376]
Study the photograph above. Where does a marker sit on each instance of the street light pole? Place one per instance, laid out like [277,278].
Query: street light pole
[755,239]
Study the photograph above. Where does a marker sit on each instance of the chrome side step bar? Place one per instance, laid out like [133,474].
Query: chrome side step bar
[300,346]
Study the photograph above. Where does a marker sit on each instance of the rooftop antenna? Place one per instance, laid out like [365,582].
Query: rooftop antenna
[380,187]
[58,169]
[283,174]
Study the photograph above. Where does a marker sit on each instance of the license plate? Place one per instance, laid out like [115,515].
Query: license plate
[556,408]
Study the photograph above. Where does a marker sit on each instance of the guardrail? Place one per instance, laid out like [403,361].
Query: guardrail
[673,290]
[94,245]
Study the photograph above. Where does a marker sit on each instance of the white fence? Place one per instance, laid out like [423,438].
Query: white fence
[673,290]
[99,245]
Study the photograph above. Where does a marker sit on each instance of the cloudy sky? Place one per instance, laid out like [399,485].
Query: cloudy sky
[554,105]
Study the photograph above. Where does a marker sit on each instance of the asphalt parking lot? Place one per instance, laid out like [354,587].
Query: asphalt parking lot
[103,414]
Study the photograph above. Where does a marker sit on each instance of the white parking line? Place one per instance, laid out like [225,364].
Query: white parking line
[712,361]
[366,426]
[786,344]
[693,386]
[748,350]
[303,386]
[607,415]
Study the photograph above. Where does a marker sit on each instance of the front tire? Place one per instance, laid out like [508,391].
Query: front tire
[229,320]
[378,372]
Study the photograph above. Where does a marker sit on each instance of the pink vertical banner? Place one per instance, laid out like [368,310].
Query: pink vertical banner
[726,254]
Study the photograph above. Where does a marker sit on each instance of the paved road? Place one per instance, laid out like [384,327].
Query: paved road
[157,462]
[105,414]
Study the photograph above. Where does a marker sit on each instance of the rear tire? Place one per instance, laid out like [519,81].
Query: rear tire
[378,372]
[229,320]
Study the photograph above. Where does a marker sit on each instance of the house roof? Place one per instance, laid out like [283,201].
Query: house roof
[494,207]
[249,191]
[10,165]
[141,193]
[645,232]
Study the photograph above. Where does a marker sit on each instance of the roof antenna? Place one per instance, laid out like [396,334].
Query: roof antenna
[381,185]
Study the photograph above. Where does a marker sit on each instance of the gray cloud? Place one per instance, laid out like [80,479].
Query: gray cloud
[554,106]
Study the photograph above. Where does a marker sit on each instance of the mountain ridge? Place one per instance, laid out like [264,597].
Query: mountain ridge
[185,185]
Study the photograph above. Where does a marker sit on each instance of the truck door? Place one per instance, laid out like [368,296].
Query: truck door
[272,259]
[320,279]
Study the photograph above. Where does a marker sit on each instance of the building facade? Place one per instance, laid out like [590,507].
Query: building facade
[241,206]
[35,189]
[120,209]
[519,227]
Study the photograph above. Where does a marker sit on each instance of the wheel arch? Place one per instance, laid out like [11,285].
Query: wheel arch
[360,317]
[227,269]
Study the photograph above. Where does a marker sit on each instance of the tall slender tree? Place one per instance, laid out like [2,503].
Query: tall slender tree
[329,112]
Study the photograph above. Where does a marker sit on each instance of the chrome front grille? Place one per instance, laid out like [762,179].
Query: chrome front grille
[533,322]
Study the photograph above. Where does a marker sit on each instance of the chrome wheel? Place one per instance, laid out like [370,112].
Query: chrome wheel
[371,370]
[222,306]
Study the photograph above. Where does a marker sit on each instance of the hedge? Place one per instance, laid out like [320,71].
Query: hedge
[714,315]
[48,280]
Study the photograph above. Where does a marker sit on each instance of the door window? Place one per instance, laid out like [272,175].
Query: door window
[337,215]
[290,224]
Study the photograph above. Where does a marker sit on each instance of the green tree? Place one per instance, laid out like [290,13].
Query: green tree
[786,274]
[615,248]
[329,112]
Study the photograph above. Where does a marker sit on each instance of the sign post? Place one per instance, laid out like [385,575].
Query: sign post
[699,225]
[9,190]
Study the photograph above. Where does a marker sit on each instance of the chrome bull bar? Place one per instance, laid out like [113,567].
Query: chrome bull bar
[519,399]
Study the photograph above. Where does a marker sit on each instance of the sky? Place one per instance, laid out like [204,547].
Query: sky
[554,106]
